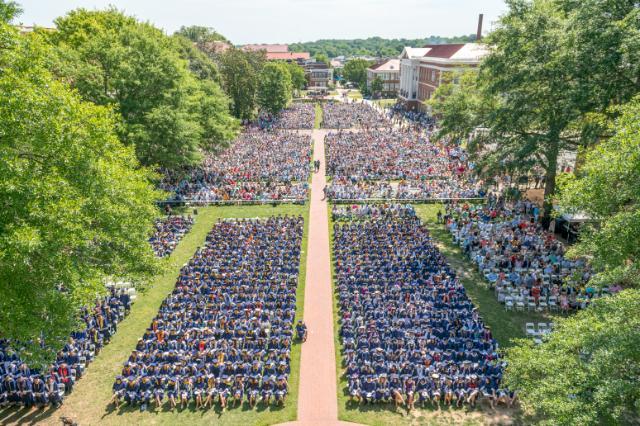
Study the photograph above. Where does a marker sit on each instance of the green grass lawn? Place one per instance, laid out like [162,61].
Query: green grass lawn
[88,404]
[318,120]
[385,102]
[354,94]
[505,326]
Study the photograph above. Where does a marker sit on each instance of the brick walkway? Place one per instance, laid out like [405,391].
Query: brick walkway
[318,394]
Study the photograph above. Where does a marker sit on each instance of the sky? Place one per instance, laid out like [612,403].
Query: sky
[289,21]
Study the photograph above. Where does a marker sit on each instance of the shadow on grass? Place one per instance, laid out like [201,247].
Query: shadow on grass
[29,416]
[125,409]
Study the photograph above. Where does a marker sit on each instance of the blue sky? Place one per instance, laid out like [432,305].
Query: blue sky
[287,21]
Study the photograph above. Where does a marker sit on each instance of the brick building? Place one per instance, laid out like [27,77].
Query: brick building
[422,70]
[389,72]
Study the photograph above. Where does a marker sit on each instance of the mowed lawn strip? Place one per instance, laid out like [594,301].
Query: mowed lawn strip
[89,402]
[382,415]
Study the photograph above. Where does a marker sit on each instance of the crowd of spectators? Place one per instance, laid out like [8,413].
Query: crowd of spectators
[300,115]
[397,164]
[259,166]
[29,386]
[224,334]
[523,262]
[343,189]
[391,154]
[339,115]
[371,211]
[399,114]
[409,332]
[168,233]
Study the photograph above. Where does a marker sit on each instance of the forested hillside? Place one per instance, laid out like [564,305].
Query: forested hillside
[372,46]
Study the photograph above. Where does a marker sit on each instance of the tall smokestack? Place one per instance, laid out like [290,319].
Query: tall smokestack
[479,33]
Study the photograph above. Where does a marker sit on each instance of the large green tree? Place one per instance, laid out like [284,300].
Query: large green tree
[321,57]
[554,70]
[77,208]
[240,71]
[355,71]
[201,35]
[377,86]
[459,104]
[607,188]
[587,372]
[274,88]
[199,62]
[9,10]
[114,60]
[298,78]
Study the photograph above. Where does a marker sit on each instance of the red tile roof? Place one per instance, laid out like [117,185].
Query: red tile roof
[444,51]
[273,56]
[216,46]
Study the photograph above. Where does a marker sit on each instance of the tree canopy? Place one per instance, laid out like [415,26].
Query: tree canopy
[607,188]
[112,59]
[459,104]
[355,71]
[587,372]
[9,10]
[546,83]
[200,35]
[240,73]
[377,86]
[321,57]
[298,78]
[77,208]
[275,87]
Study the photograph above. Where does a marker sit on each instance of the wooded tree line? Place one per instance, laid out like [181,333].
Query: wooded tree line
[564,76]
[89,114]
[373,46]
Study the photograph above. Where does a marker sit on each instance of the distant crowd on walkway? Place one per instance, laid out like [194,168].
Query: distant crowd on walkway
[300,115]
[339,115]
[398,114]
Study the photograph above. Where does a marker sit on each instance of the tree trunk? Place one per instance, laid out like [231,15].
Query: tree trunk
[550,179]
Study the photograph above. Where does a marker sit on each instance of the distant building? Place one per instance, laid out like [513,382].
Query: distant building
[217,46]
[389,72]
[26,29]
[337,63]
[319,75]
[422,69]
[288,56]
[269,48]
[409,67]
[278,52]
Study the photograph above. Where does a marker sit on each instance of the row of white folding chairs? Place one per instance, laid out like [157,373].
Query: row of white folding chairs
[520,303]
[538,331]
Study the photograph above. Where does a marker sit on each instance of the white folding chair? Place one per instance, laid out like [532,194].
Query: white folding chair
[530,329]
